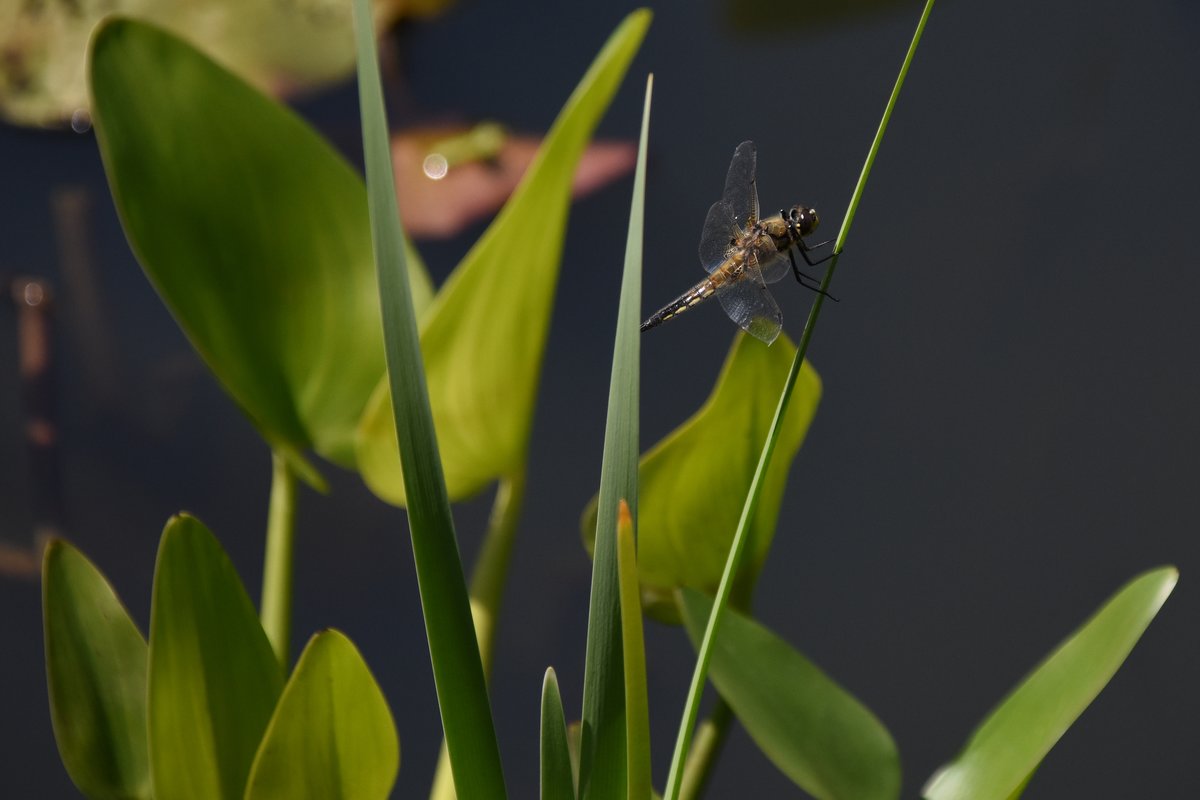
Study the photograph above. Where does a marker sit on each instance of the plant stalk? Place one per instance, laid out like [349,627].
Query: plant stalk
[736,550]
[488,579]
[710,741]
[279,560]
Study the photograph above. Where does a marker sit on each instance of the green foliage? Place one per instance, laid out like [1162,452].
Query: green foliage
[484,337]
[253,230]
[1006,749]
[558,780]
[637,713]
[813,730]
[214,679]
[194,704]
[453,650]
[633,648]
[693,483]
[331,736]
[96,671]
[259,239]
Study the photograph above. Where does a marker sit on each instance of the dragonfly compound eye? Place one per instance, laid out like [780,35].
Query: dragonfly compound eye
[809,221]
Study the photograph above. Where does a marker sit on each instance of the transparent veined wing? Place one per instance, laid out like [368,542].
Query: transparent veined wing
[718,235]
[741,194]
[772,264]
[750,305]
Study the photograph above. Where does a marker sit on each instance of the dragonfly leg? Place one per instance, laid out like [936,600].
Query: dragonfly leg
[804,249]
[815,286]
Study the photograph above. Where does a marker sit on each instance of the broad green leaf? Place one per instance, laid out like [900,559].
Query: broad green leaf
[332,736]
[602,744]
[453,649]
[633,646]
[693,483]
[214,680]
[813,730]
[96,671]
[1005,750]
[253,231]
[558,781]
[484,337]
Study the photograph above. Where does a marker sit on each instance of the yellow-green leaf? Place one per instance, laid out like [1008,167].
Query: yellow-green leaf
[96,671]
[214,679]
[1005,750]
[811,728]
[332,736]
[484,337]
[692,485]
[253,230]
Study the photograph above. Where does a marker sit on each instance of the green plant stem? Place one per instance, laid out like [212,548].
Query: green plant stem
[488,579]
[490,574]
[734,560]
[710,741]
[736,550]
[278,562]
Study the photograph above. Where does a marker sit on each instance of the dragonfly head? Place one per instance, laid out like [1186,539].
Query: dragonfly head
[803,220]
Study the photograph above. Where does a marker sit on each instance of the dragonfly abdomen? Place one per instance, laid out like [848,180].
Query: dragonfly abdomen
[697,294]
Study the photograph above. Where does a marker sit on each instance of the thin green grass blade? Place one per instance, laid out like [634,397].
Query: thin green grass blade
[558,781]
[96,673]
[1004,751]
[733,563]
[637,713]
[457,669]
[602,760]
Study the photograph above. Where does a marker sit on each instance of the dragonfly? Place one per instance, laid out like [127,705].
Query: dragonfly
[743,253]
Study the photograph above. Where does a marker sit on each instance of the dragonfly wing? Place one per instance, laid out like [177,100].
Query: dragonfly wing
[741,194]
[719,233]
[750,305]
[774,265]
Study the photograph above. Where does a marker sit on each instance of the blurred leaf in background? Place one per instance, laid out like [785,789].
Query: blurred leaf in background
[450,177]
[277,46]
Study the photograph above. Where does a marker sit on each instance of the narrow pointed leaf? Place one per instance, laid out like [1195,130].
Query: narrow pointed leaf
[485,335]
[214,679]
[1004,751]
[96,671]
[813,730]
[602,745]
[558,782]
[637,713]
[252,229]
[693,483]
[332,736]
[449,628]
